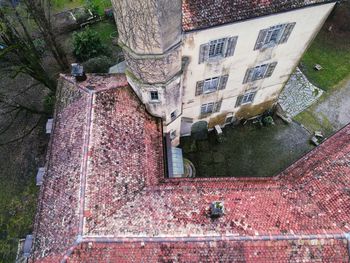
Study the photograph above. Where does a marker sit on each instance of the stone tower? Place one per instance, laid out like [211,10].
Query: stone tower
[150,35]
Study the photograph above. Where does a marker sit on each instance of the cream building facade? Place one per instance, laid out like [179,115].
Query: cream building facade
[212,71]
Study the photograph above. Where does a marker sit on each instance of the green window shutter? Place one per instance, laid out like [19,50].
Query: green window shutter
[286,33]
[203,53]
[270,69]
[248,75]
[231,46]
[261,39]
[199,87]
[223,82]
[239,101]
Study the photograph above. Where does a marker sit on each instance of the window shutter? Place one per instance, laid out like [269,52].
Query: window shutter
[199,87]
[231,46]
[239,101]
[254,93]
[248,75]
[270,69]
[217,106]
[261,39]
[223,82]
[203,53]
[286,33]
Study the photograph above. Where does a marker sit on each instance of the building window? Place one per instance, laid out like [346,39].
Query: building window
[154,96]
[211,107]
[173,115]
[259,72]
[172,135]
[216,48]
[274,35]
[245,99]
[224,47]
[211,85]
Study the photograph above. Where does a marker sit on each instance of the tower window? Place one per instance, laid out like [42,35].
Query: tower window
[173,115]
[154,95]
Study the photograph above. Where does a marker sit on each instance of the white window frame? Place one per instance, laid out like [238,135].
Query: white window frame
[211,85]
[151,95]
[217,48]
[276,32]
[207,108]
[248,98]
[259,72]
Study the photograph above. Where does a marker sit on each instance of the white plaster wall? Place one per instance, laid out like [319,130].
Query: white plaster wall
[308,22]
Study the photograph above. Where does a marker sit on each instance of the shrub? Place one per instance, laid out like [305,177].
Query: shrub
[87,44]
[98,65]
[92,6]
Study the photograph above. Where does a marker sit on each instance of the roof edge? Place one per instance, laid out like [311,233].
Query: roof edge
[255,17]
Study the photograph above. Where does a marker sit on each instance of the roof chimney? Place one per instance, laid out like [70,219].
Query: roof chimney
[78,72]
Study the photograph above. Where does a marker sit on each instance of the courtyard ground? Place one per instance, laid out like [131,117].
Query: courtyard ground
[331,112]
[248,151]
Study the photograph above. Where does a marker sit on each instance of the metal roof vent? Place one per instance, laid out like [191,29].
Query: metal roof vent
[49,125]
[78,72]
[217,209]
[27,246]
[40,176]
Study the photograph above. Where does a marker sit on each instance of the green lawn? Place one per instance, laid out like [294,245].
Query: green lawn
[310,120]
[332,52]
[106,30]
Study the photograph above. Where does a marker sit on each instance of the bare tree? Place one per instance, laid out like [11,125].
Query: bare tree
[21,51]
[40,13]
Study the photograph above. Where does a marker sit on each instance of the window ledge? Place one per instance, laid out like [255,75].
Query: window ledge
[215,59]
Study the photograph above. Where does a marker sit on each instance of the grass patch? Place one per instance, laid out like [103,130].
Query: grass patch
[315,123]
[332,52]
[61,5]
[330,49]
[106,31]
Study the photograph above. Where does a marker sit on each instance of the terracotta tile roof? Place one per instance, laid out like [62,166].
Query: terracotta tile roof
[121,201]
[200,14]
[327,250]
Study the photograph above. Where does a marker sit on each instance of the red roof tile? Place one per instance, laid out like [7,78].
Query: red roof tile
[121,198]
[328,250]
[200,14]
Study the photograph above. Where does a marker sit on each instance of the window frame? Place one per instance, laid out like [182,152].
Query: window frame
[217,48]
[173,115]
[248,97]
[270,32]
[208,86]
[154,92]
[207,106]
[259,72]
